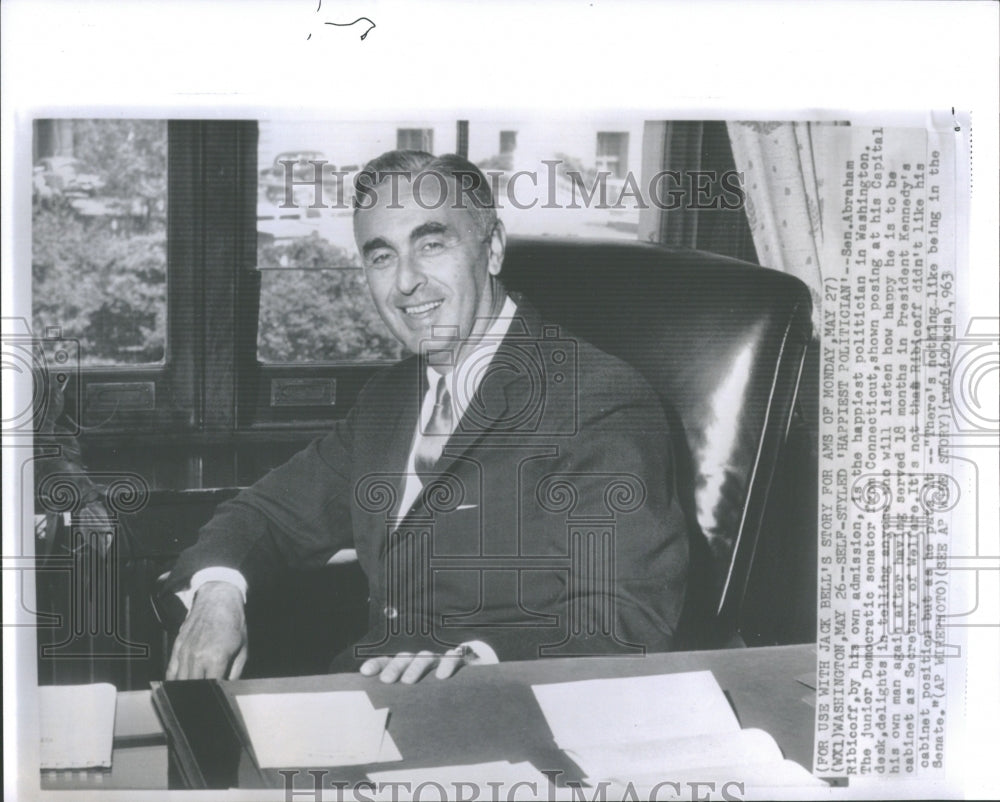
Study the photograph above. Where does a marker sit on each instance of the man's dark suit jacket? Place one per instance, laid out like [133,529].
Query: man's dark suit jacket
[553,526]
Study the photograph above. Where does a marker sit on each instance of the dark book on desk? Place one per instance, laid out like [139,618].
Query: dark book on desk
[206,738]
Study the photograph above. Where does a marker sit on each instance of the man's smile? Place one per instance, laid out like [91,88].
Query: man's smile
[421,310]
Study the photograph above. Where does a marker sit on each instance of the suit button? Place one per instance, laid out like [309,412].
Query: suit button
[390,612]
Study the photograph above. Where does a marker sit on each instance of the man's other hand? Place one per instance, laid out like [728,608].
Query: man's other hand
[408,668]
[212,641]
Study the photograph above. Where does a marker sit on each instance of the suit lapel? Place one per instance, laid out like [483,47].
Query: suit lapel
[391,442]
[507,385]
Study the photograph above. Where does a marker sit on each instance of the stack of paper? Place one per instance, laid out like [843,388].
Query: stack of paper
[77,725]
[666,728]
[333,728]
[136,719]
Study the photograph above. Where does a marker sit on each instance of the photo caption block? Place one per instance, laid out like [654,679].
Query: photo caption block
[889,493]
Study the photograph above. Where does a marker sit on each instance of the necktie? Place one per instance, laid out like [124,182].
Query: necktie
[435,433]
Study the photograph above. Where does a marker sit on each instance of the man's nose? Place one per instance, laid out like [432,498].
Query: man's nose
[408,275]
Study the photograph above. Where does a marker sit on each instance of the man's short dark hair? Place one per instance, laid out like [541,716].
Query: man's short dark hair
[474,193]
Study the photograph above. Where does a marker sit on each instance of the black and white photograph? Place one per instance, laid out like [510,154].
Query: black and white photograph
[396,419]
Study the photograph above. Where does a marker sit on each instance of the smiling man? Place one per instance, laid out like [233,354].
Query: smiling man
[432,252]
[508,488]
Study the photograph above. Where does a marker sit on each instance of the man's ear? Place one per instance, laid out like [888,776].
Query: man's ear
[497,246]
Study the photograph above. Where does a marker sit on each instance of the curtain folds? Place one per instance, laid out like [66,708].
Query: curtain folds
[789,197]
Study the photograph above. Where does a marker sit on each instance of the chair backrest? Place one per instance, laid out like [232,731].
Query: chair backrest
[722,342]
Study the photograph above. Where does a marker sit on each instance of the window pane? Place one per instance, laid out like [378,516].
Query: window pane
[561,180]
[320,316]
[99,205]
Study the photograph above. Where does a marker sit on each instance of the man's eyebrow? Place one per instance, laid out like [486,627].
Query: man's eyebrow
[425,229]
[373,245]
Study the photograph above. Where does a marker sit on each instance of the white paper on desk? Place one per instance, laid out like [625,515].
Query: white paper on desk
[135,716]
[635,709]
[667,756]
[77,725]
[329,728]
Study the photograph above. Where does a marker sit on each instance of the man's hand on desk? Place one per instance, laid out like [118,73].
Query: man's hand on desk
[408,668]
[212,641]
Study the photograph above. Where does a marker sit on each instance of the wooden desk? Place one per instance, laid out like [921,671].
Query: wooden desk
[489,713]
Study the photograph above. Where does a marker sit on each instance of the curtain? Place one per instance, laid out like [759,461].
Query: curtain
[789,197]
[686,146]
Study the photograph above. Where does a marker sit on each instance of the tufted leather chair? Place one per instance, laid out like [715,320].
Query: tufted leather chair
[722,342]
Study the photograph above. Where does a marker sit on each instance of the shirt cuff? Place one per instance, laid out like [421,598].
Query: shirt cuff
[213,574]
[484,654]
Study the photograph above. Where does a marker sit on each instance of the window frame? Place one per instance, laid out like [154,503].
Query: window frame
[107,399]
[210,383]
